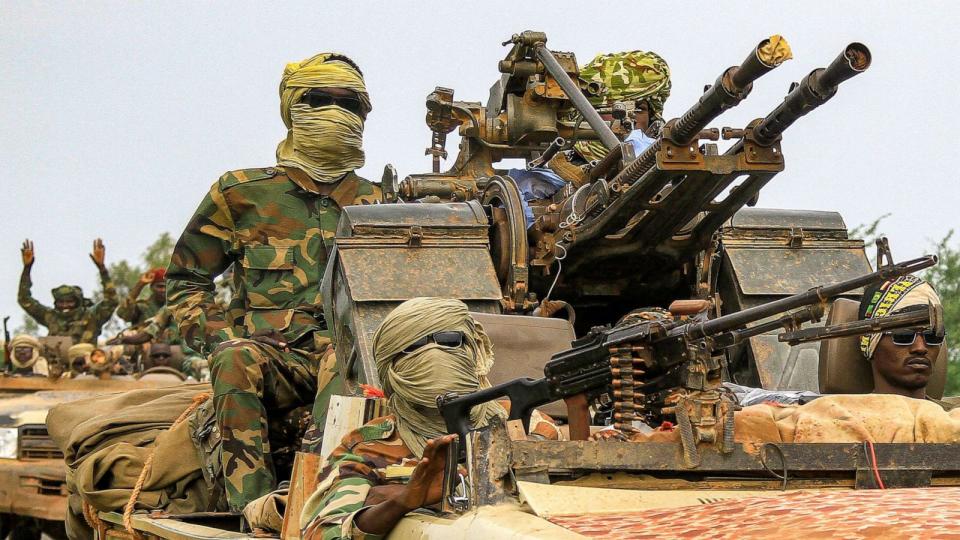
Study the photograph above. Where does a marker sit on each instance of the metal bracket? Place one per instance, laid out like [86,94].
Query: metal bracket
[883,252]
[415,236]
[796,237]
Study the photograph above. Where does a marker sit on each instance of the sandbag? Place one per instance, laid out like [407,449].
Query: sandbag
[854,418]
[879,418]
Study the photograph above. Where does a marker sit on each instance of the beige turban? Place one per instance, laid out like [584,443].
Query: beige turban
[324,142]
[24,340]
[889,298]
[413,381]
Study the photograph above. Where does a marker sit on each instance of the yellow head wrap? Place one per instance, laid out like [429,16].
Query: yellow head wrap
[325,142]
[412,381]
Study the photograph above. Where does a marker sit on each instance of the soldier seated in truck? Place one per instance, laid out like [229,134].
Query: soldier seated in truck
[902,361]
[426,347]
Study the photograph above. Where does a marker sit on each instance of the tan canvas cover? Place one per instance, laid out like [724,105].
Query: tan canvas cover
[106,440]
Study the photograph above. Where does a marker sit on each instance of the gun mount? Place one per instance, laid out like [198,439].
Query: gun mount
[637,229]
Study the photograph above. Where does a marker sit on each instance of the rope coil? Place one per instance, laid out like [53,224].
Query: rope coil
[198,400]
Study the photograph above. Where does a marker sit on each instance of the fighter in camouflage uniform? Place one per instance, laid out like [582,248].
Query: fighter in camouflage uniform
[414,367]
[136,310]
[72,314]
[276,226]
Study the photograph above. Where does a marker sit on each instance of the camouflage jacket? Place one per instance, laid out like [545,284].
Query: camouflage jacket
[136,311]
[359,464]
[83,324]
[276,226]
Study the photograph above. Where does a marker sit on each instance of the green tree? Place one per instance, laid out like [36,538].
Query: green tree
[945,278]
[125,274]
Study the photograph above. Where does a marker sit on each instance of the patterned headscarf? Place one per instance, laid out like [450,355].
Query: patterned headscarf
[892,297]
[627,76]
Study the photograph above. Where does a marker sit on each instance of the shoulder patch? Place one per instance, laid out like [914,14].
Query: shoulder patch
[242,176]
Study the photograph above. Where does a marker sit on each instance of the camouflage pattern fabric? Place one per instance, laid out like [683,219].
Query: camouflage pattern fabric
[627,76]
[276,226]
[358,464]
[249,378]
[137,311]
[163,327]
[83,323]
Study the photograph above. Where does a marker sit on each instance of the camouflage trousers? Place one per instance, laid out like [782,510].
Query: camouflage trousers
[251,380]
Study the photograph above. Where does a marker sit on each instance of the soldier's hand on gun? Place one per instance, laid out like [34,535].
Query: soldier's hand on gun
[426,482]
[26,253]
[99,253]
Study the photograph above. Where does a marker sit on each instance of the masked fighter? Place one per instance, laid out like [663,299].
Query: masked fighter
[275,225]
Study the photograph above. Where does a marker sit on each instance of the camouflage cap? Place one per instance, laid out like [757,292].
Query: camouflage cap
[630,75]
[64,292]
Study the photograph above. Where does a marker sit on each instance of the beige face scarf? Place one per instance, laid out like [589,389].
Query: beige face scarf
[412,381]
[325,142]
[24,340]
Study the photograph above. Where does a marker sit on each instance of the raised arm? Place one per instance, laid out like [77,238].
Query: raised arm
[129,309]
[26,300]
[202,253]
[103,310]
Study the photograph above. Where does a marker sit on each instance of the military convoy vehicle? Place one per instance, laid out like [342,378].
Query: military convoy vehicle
[32,473]
[748,289]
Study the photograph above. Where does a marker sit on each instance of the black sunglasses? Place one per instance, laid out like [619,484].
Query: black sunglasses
[447,338]
[321,99]
[905,338]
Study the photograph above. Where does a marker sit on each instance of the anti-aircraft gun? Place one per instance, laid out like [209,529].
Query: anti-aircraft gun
[643,230]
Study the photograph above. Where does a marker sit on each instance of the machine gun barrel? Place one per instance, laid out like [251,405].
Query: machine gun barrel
[813,91]
[821,294]
[731,87]
[914,320]
[573,92]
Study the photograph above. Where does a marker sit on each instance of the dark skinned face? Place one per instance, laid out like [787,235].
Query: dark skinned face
[65,304]
[905,367]
[22,354]
[159,290]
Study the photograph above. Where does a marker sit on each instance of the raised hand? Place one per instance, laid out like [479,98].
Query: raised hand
[26,253]
[99,253]
[426,482]
[147,277]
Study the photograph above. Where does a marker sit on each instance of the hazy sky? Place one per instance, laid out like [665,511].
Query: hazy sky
[117,116]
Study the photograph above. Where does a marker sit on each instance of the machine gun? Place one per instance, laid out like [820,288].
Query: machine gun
[657,370]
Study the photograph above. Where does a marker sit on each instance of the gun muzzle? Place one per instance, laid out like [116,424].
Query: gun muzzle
[813,91]
[732,87]
[767,55]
